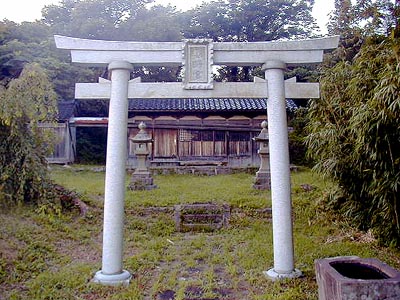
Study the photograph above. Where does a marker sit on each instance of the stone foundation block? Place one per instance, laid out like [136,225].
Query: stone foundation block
[201,217]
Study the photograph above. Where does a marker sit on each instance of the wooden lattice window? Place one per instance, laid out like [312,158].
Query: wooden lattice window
[185,135]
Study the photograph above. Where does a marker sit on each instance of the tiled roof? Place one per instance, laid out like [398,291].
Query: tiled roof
[202,105]
[66,109]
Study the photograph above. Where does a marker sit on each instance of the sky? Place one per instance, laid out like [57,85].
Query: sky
[30,10]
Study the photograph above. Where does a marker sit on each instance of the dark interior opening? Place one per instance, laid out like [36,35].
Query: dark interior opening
[357,270]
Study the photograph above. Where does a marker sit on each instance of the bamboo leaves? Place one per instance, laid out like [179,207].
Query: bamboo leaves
[355,138]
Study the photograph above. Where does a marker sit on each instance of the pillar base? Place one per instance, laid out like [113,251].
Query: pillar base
[112,280]
[272,275]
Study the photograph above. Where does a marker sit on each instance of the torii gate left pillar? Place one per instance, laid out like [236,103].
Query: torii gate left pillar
[114,195]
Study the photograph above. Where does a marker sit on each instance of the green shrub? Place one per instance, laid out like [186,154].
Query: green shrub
[297,145]
[354,137]
[27,101]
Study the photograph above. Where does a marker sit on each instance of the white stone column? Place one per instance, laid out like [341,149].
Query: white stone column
[280,173]
[112,272]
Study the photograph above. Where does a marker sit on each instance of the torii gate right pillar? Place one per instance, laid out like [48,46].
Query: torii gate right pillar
[280,173]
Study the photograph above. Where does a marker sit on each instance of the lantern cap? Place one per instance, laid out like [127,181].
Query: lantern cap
[142,136]
[263,136]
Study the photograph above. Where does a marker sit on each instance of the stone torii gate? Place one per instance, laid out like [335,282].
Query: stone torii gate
[197,58]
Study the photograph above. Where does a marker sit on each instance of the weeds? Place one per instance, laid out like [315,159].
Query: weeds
[55,257]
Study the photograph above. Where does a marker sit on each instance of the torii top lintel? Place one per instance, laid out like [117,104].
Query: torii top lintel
[100,53]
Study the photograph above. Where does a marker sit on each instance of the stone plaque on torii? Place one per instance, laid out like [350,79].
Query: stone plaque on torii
[197,58]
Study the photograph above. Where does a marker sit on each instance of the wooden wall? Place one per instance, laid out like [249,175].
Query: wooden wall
[213,140]
[64,146]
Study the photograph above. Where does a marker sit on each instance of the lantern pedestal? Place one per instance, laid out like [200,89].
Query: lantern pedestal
[262,181]
[142,182]
[141,178]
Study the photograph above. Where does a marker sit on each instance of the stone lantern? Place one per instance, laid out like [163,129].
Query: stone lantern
[262,181]
[141,178]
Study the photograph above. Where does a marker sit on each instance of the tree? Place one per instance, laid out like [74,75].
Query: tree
[110,20]
[354,137]
[342,19]
[28,100]
[376,17]
[91,19]
[156,24]
[249,21]
[30,42]
[356,22]
[343,22]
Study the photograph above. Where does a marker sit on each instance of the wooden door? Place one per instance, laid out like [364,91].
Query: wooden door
[165,143]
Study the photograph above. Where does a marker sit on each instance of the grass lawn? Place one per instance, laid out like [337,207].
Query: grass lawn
[54,256]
